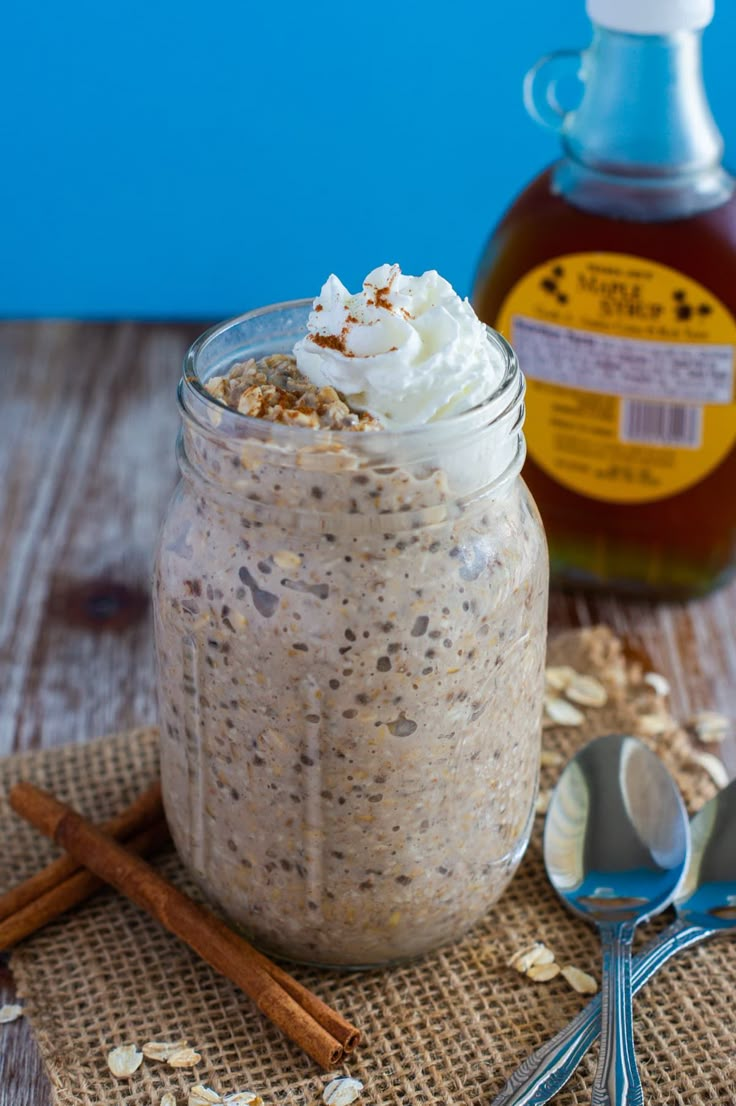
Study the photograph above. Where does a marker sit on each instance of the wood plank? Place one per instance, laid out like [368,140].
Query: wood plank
[87,432]
[23,1081]
[89,439]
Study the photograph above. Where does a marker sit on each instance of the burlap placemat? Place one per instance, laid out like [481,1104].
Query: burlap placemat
[448,1029]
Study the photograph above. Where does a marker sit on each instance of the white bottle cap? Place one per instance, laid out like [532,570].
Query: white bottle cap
[651,17]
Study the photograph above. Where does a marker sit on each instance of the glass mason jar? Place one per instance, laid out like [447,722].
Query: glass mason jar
[350,633]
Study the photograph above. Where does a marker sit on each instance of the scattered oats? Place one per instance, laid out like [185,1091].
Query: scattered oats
[580,981]
[183,1058]
[514,959]
[287,560]
[540,973]
[538,953]
[559,677]
[124,1060]
[243,1098]
[563,713]
[659,683]
[10,1013]
[342,1091]
[652,725]
[587,691]
[615,674]
[714,766]
[167,1099]
[542,804]
[161,1050]
[711,727]
[550,759]
[199,1095]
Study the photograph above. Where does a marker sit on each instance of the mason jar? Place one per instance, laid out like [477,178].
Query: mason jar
[350,634]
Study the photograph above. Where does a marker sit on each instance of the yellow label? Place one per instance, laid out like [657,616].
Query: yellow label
[630,373]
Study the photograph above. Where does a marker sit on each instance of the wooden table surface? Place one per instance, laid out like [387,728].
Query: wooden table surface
[87,426]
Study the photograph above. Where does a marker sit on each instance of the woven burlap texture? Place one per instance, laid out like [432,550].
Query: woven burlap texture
[447,1029]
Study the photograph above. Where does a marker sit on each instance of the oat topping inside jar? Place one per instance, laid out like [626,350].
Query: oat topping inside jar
[350,604]
[273,388]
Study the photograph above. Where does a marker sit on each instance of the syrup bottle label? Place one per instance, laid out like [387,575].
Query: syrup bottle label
[630,373]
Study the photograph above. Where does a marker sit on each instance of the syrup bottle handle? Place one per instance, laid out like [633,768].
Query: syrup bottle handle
[540,86]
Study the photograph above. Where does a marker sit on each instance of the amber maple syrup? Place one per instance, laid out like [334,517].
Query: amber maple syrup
[614,275]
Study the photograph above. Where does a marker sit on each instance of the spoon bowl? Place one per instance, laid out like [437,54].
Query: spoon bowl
[707,894]
[705,903]
[616,844]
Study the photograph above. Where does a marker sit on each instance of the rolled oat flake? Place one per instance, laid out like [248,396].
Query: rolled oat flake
[199,1095]
[124,1060]
[162,1050]
[183,1058]
[342,1091]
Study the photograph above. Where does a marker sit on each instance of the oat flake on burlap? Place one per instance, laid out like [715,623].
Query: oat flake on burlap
[447,1029]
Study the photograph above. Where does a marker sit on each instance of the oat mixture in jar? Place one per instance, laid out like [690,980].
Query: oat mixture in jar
[350,627]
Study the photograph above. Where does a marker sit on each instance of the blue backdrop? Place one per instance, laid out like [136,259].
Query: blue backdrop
[174,159]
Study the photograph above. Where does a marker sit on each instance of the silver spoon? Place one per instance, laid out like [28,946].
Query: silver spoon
[616,842]
[706,906]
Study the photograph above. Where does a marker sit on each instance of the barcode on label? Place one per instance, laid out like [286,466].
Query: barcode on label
[661,424]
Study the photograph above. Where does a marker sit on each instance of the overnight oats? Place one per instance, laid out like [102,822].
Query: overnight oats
[350,601]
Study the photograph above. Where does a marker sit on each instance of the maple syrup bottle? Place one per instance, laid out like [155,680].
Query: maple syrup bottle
[613,275]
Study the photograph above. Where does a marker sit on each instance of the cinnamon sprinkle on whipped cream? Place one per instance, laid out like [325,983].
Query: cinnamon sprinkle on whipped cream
[406,349]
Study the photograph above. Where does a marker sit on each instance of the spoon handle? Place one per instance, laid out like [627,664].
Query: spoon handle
[617,1081]
[547,1070]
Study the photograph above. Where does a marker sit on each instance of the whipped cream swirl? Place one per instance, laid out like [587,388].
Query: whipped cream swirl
[406,349]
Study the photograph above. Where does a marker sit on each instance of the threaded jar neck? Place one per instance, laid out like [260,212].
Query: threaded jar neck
[463,458]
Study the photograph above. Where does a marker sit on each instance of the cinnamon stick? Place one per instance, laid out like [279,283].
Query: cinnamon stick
[335,1024]
[221,948]
[72,891]
[144,811]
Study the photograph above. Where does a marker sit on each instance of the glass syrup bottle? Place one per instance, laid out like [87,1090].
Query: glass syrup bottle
[614,277]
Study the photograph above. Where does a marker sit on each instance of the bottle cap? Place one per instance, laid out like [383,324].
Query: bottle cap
[651,17]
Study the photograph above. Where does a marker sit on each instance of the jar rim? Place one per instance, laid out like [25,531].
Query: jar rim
[506,397]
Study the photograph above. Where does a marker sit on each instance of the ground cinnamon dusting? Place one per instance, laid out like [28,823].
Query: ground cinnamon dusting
[333,341]
[381,298]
